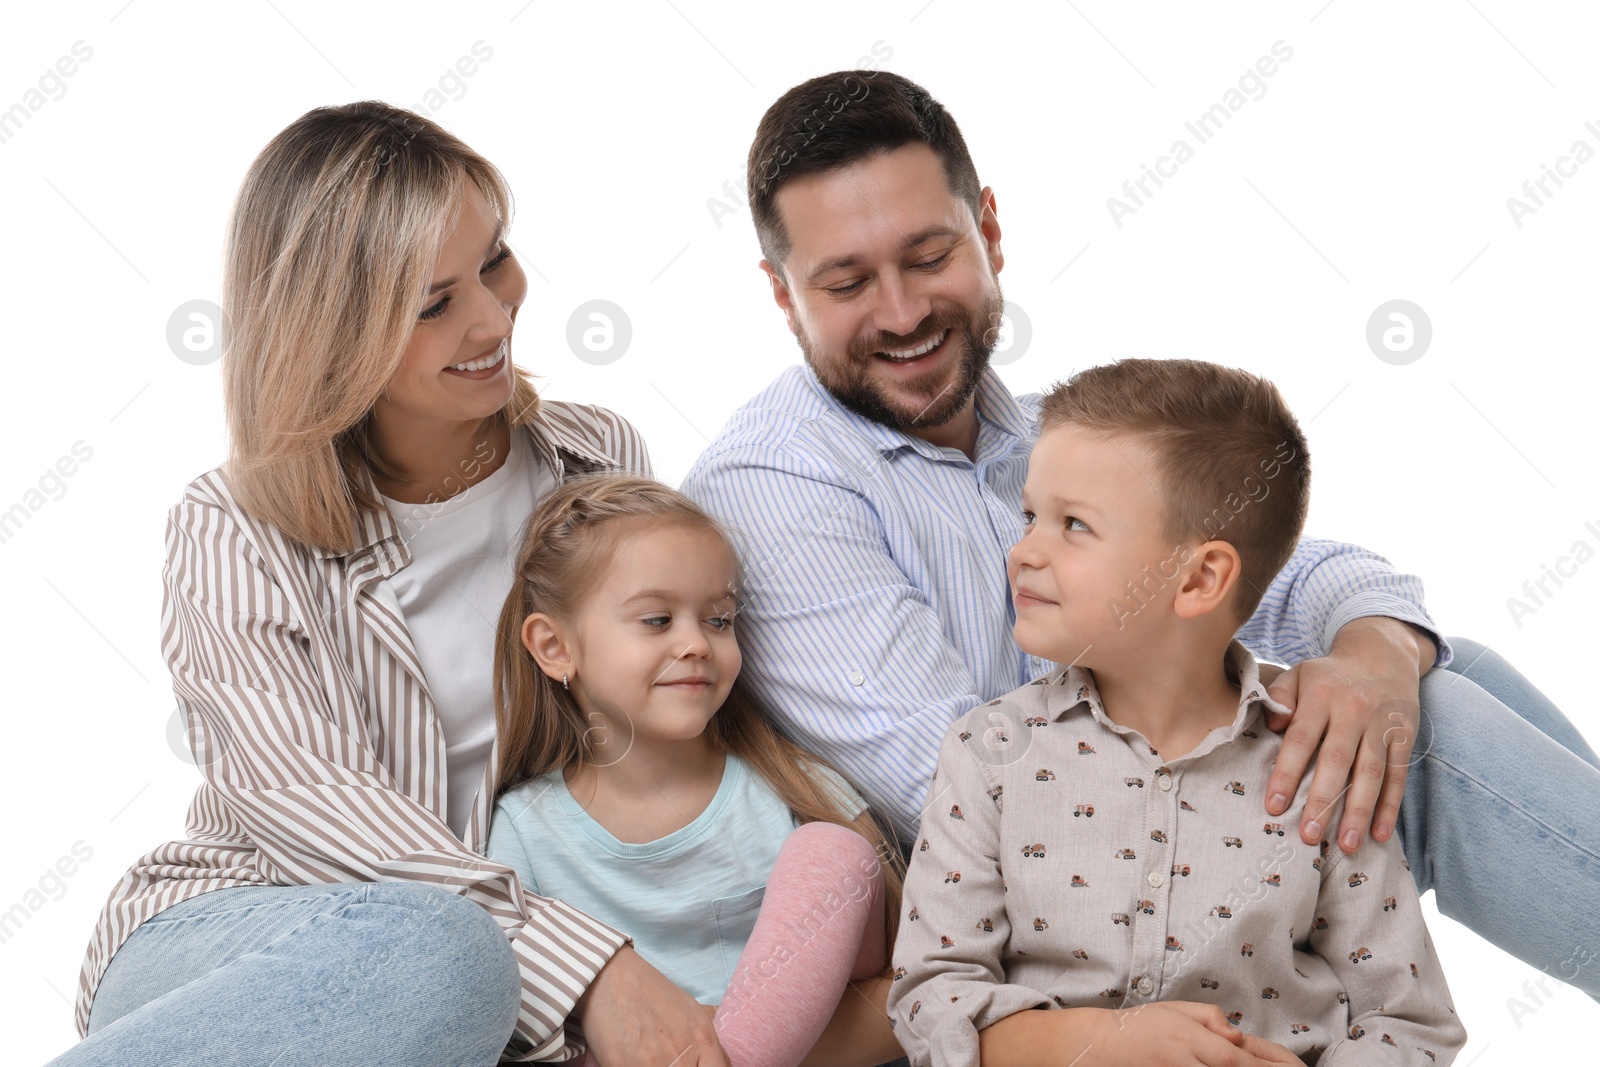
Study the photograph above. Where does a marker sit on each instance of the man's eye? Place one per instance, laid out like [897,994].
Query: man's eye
[932,264]
[846,290]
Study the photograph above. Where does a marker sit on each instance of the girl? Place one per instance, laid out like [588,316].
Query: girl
[641,783]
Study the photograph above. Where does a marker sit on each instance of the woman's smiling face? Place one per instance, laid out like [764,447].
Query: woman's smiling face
[465,318]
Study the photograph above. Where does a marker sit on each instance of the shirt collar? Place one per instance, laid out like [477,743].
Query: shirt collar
[998,410]
[1079,681]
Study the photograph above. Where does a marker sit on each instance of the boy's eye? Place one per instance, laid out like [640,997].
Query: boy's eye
[1079,522]
[657,622]
[1027,518]
[721,622]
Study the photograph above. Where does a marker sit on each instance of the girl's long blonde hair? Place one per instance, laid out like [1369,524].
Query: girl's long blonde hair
[569,542]
[331,246]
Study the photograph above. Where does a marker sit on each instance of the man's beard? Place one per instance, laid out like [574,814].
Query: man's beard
[853,387]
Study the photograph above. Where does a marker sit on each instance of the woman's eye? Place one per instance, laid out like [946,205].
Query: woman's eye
[505,254]
[436,310]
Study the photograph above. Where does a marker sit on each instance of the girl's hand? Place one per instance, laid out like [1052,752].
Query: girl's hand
[631,1014]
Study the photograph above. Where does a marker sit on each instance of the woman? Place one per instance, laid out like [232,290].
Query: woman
[324,622]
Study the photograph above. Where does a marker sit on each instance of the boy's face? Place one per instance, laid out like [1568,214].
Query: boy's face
[1094,519]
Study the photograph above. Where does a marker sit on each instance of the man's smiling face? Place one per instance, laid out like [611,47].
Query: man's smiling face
[890,286]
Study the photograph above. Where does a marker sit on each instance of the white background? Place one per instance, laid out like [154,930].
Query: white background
[1376,166]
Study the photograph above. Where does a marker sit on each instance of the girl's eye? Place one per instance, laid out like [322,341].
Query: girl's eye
[438,309]
[1027,518]
[657,622]
[1080,523]
[721,622]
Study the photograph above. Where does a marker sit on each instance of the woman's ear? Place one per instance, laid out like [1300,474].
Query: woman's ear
[547,642]
[1208,580]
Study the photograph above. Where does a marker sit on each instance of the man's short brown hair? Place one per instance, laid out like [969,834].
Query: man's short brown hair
[837,119]
[1232,462]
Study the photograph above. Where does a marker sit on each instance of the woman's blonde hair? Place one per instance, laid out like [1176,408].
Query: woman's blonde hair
[331,246]
[569,542]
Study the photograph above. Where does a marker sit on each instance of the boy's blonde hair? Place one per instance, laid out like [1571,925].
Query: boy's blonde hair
[1232,462]
[331,247]
[567,546]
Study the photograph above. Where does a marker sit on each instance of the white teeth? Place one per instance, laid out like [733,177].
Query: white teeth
[922,350]
[483,364]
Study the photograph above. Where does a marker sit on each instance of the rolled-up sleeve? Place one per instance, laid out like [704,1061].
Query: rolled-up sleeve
[1325,585]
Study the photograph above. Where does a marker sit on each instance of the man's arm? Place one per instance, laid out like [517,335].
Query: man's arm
[1360,639]
[837,640]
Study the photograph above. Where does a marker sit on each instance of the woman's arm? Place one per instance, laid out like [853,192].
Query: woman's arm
[294,772]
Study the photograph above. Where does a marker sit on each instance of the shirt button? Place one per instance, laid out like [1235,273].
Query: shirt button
[1165,782]
[1155,879]
[1146,986]
[857,678]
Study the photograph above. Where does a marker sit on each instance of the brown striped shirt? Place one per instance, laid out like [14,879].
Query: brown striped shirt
[320,747]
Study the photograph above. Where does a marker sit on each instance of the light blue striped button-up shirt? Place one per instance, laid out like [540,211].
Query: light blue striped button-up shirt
[876,607]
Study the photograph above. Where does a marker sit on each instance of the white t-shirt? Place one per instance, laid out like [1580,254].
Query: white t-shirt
[451,594]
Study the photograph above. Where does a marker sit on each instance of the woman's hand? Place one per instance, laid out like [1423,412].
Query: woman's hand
[631,1014]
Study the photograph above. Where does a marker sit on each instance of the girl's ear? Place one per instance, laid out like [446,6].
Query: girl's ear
[547,642]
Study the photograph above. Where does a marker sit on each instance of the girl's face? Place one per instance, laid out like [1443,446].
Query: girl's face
[465,318]
[653,649]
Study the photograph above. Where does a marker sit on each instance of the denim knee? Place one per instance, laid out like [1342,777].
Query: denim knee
[461,977]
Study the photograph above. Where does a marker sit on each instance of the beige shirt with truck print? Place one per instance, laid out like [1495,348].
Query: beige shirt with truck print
[1063,863]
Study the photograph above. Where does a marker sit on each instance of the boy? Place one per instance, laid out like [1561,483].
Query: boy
[1094,841]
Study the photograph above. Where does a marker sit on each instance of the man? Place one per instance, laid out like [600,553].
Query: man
[878,489]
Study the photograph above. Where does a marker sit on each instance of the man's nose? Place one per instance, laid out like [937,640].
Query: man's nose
[901,305]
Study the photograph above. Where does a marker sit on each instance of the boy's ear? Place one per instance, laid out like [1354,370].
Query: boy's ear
[546,641]
[1208,580]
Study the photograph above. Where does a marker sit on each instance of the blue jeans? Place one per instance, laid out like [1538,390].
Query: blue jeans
[348,973]
[1501,815]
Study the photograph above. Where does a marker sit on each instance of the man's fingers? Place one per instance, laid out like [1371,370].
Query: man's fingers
[1285,689]
[1365,783]
[1399,741]
[1328,784]
[1299,745]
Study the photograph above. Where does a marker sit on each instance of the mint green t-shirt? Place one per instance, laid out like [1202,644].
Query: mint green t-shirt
[689,900]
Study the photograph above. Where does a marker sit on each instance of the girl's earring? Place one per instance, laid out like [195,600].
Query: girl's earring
[564,684]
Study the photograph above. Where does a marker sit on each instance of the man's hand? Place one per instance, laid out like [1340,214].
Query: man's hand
[1359,704]
[632,1014]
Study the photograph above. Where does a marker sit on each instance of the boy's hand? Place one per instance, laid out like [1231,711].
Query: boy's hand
[1180,1032]
[1172,1033]
[1359,704]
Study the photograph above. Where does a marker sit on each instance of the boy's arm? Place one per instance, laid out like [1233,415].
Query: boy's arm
[1395,984]
[953,921]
